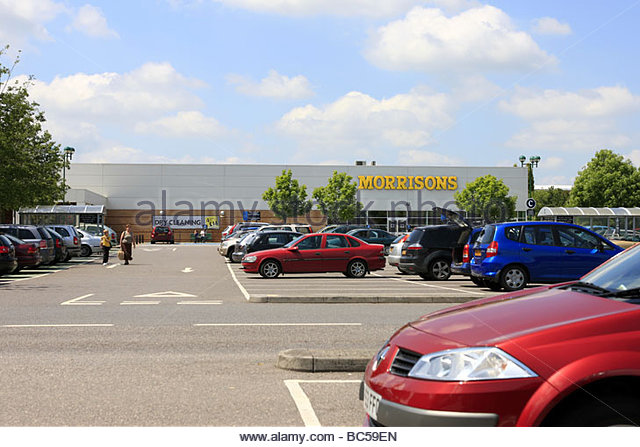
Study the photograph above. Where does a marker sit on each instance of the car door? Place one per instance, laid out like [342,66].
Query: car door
[306,256]
[336,253]
[583,250]
[541,254]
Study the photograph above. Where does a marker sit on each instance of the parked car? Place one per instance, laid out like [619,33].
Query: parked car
[343,229]
[89,243]
[162,234]
[71,239]
[510,255]
[8,260]
[33,234]
[374,236]
[227,246]
[58,243]
[243,226]
[561,355]
[97,230]
[27,253]
[395,251]
[427,250]
[461,257]
[262,240]
[298,228]
[316,253]
[226,231]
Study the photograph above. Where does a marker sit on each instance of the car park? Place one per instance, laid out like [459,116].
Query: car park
[59,246]
[318,253]
[161,233]
[560,355]
[33,234]
[89,243]
[395,251]
[27,253]
[262,240]
[8,260]
[461,257]
[510,255]
[428,250]
[374,236]
[70,237]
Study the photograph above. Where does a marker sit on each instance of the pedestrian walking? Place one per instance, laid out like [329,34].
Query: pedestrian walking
[105,244]
[127,243]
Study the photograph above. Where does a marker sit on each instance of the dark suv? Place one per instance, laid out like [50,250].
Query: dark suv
[427,251]
[34,234]
[162,234]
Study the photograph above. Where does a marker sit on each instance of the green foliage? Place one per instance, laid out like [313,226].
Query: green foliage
[338,200]
[608,180]
[552,197]
[487,196]
[30,161]
[288,198]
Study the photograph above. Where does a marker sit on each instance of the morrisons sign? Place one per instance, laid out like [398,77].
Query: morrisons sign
[407,182]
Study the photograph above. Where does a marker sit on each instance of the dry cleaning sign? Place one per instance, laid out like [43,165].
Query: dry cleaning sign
[186,222]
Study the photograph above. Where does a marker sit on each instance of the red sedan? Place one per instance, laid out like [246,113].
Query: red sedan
[318,253]
[562,355]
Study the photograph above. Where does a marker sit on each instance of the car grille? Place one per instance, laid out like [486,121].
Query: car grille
[403,362]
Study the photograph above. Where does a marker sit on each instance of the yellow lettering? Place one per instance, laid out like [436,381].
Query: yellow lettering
[402,182]
[441,182]
[453,183]
[411,182]
[390,182]
[365,182]
[378,182]
[419,182]
[430,183]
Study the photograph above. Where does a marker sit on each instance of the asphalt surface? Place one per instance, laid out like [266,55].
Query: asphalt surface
[171,340]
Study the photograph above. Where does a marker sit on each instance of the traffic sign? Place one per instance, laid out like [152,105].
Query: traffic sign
[531,203]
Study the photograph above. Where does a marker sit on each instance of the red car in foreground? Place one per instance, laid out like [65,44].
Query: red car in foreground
[562,355]
[318,253]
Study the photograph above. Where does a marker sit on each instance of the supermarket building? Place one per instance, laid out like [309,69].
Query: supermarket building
[190,196]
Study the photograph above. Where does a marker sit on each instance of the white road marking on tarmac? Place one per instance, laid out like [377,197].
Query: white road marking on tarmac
[152,249]
[174,249]
[76,301]
[133,303]
[56,325]
[278,324]
[242,289]
[302,400]
[113,266]
[431,285]
[187,270]
[167,294]
[200,302]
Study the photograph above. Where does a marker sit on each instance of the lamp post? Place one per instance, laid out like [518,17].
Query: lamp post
[533,163]
[68,156]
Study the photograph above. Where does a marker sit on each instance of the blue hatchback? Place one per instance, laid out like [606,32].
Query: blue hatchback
[510,255]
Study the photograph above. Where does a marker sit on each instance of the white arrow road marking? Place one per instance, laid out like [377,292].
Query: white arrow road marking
[76,301]
[187,270]
[131,303]
[167,294]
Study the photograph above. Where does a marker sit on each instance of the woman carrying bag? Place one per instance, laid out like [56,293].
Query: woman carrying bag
[127,243]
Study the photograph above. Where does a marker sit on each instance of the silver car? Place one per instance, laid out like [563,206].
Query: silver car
[70,237]
[89,243]
[395,251]
[228,246]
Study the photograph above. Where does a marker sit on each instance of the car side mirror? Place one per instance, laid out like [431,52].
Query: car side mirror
[294,248]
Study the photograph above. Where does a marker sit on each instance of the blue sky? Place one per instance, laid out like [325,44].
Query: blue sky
[402,82]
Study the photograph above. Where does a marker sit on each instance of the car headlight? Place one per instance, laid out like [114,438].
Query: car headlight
[249,259]
[468,364]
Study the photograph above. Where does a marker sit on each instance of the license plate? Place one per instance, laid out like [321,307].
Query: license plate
[371,402]
[478,253]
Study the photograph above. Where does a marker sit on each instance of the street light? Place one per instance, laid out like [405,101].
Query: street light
[68,156]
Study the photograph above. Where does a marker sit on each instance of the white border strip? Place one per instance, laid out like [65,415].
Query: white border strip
[302,400]
[242,289]
[430,285]
[56,325]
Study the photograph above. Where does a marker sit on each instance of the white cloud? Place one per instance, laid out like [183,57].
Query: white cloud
[365,126]
[476,88]
[351,8]
[21,20]
[482,38]
[553,162]
[551,26]
[90,20]
[634,156]
[425,158]
[275,86]
[187,124]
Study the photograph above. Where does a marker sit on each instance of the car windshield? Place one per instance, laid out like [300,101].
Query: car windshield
[619,276]
[293,242]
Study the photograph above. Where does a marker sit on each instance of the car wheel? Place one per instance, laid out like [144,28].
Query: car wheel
[229,253]
[270,269]
[357,269]
[403,272]
[85,251]
[439,270]
[513,278]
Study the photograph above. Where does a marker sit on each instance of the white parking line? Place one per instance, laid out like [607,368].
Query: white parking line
[57,325]
[278,324]
[133,303]
[302,400]
[430,285]
[76,301]
[199,302]
[242,289]
[112,266]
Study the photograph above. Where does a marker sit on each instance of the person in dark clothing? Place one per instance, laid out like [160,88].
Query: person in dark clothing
[127,243]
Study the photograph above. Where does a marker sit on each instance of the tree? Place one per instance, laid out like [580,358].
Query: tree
[552,197]
[487,196]
[288,198]
[338,200]
[30,161]
[608,180]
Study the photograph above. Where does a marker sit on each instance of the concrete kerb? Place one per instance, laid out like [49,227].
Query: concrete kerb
[333,299]
[324,360]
